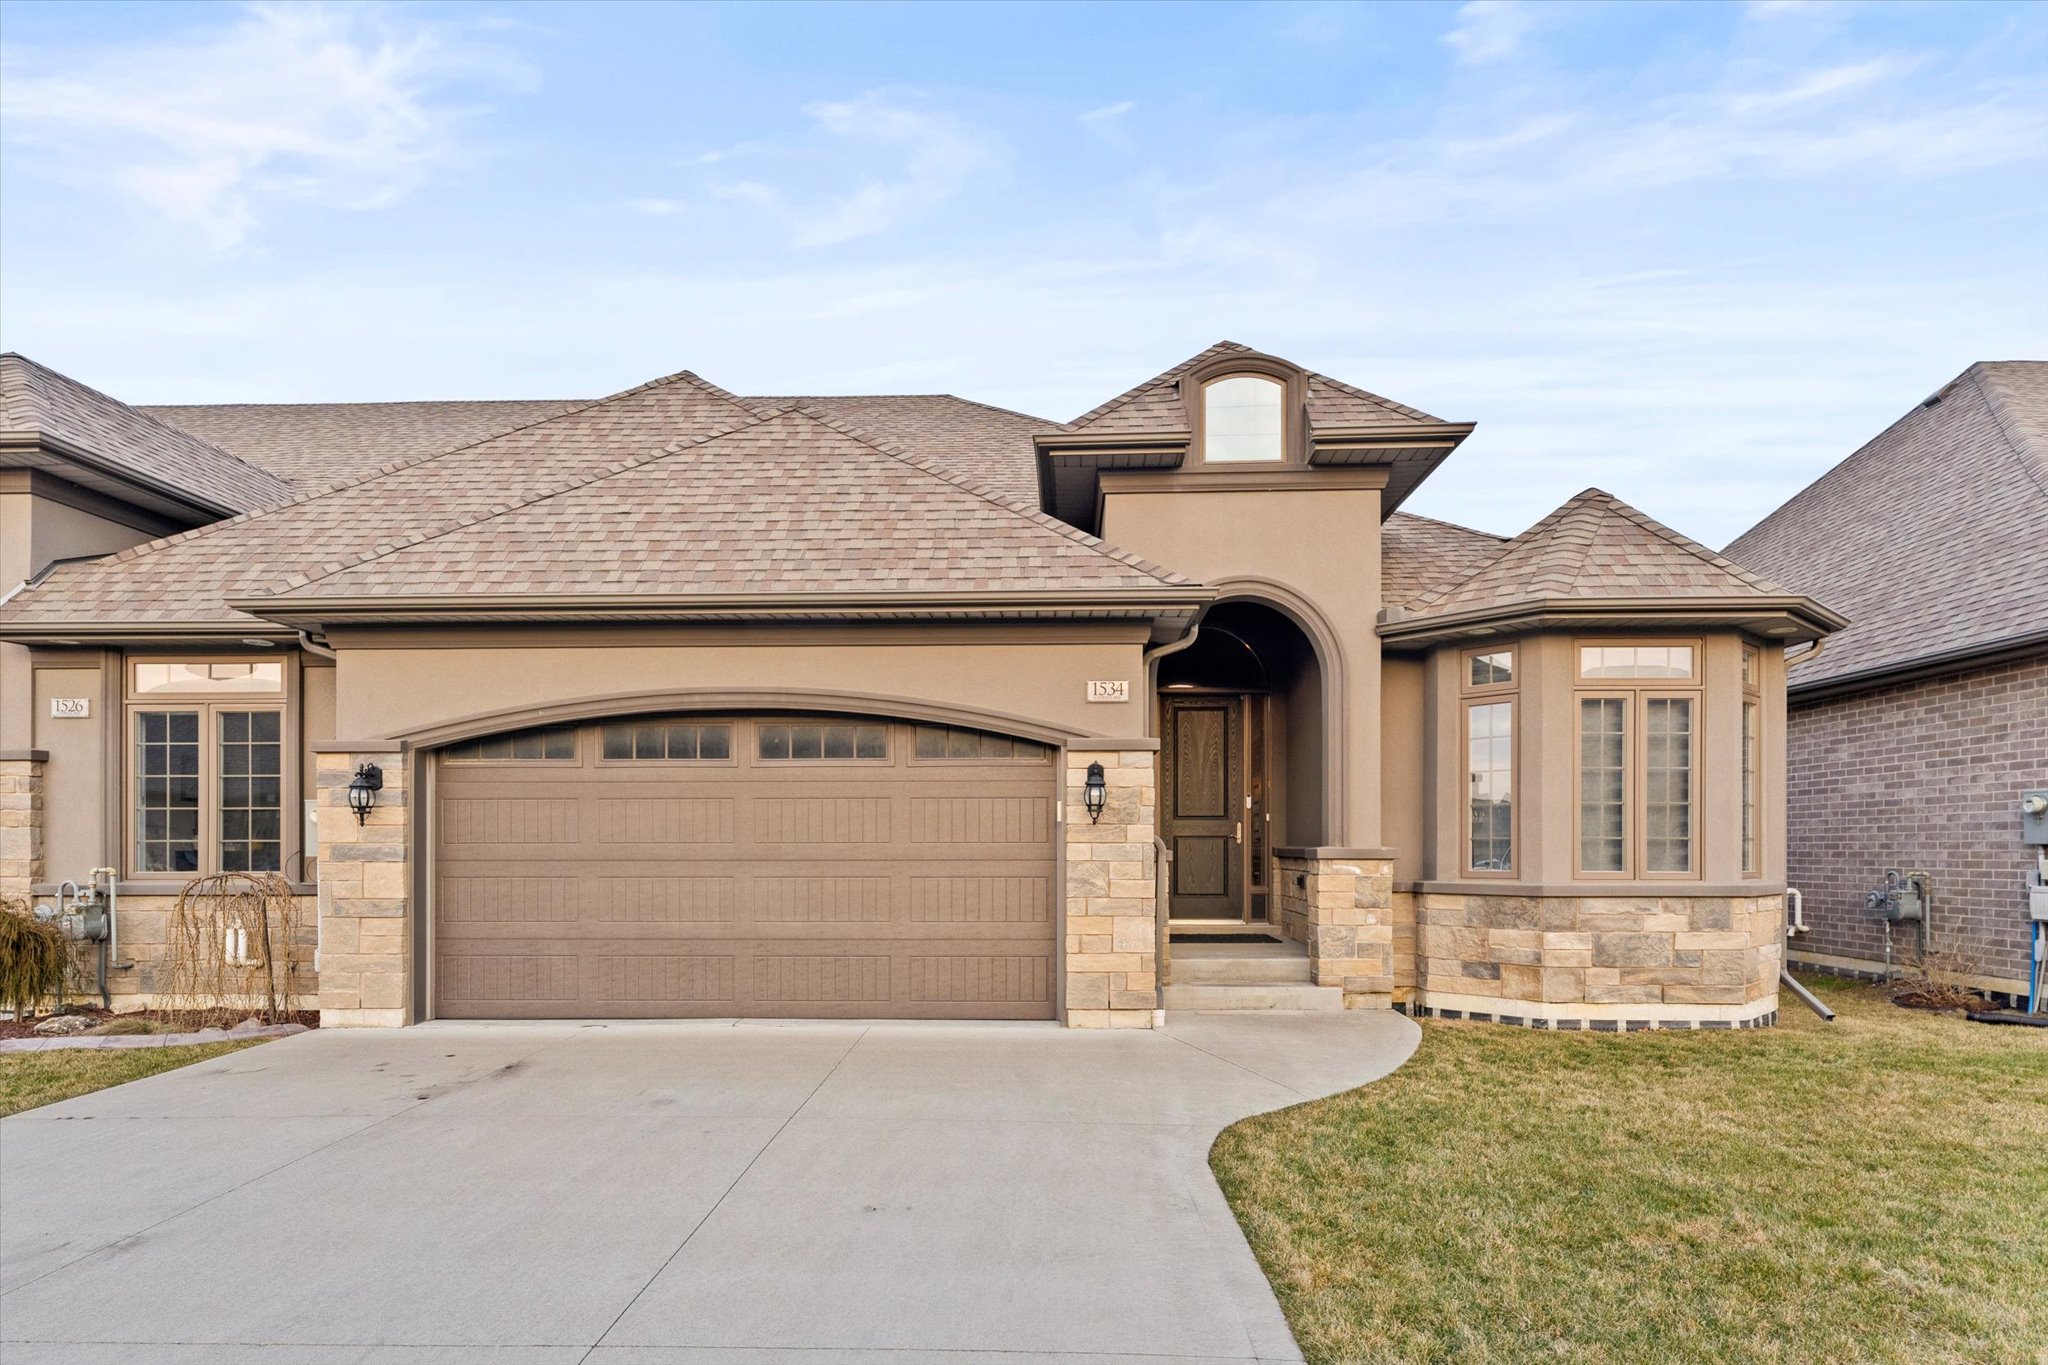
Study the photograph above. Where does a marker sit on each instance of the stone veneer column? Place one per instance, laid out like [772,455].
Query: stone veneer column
[21,822]
[1109,952]
[1339,903]
[365,880]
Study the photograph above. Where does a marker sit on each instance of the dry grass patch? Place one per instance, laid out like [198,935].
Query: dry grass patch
[1875,1189]
[29,1080]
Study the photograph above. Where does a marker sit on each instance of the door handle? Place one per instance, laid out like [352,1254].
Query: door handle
[1237,832]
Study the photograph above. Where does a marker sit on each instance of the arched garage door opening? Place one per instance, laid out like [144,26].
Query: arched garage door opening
[765,865]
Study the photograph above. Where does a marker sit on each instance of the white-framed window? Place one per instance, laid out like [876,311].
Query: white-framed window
[1244,419]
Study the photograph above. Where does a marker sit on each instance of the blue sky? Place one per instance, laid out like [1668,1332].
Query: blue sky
[1693,254]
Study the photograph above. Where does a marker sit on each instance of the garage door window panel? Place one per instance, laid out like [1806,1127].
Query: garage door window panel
[828,741]
[664,741]
[548,744]
[954,743]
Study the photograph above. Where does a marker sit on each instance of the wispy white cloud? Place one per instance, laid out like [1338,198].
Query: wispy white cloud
[1110,124]
[929,156]
[657,208]
[348,107]
[1490,30]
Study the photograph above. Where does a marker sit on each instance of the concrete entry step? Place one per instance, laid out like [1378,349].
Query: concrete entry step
[1251,963]
[1204,998]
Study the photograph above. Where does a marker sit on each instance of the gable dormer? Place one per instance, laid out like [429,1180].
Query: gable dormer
[1237,413]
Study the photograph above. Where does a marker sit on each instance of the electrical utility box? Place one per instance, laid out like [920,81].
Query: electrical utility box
[2034,818]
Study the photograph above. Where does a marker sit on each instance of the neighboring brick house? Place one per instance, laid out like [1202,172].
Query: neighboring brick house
[684,703]
[1914,731]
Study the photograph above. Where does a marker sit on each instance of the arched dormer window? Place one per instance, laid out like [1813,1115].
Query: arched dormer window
[1243,419]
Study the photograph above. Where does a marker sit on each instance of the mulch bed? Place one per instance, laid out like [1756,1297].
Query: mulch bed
[25,1028]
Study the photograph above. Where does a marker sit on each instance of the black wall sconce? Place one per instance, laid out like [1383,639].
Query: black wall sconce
[1095,793]
[363,789]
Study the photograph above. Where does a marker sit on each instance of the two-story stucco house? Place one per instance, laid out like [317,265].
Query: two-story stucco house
[689,704]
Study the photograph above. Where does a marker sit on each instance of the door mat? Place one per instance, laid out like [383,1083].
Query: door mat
[1223,938]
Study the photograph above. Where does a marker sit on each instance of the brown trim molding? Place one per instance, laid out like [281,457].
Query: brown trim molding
[1913,670]
[1669,889]
[1330,658]
[40,483]
[357,746]
[600,707]
[1808,618]
[1237,478]
[24,756]
[687,634]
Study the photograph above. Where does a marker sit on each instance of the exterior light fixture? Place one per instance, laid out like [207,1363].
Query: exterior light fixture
[363,789]
[1095,793]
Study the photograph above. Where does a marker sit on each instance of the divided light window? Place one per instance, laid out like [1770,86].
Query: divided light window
[822,740]
[206,770]
[548,744]
[668,741]
[1638,761]
[934,742]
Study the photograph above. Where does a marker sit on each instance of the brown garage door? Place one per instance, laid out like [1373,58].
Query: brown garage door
[798,866]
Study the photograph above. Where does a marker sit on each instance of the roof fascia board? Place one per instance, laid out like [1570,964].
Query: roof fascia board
[1978,655]
[1134,601]
[1539,613]
[146,492]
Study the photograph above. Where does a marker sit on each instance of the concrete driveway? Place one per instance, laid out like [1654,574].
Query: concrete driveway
[830,1194]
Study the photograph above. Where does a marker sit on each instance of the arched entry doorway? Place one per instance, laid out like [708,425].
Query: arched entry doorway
[1241,725]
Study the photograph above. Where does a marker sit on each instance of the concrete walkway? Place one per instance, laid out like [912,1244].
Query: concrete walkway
[665,1194]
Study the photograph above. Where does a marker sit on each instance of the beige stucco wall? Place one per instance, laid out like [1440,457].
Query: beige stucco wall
[392,686]
[36,528]
[1319,544]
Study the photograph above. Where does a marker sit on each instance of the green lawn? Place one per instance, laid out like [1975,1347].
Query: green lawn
[29,1080]
[1875,1189]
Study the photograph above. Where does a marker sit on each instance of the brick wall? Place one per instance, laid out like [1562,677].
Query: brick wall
[1924,776]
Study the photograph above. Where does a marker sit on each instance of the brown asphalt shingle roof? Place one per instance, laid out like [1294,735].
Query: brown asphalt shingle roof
[1933,537]
[788,503]
[38,404]
[1421,556]
[316,444]
[1596,547]
[190,577]
[311,445]
[1155,405]
[985,444]
[725,498]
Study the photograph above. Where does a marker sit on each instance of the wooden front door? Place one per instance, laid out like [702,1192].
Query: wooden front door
[1204,805]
